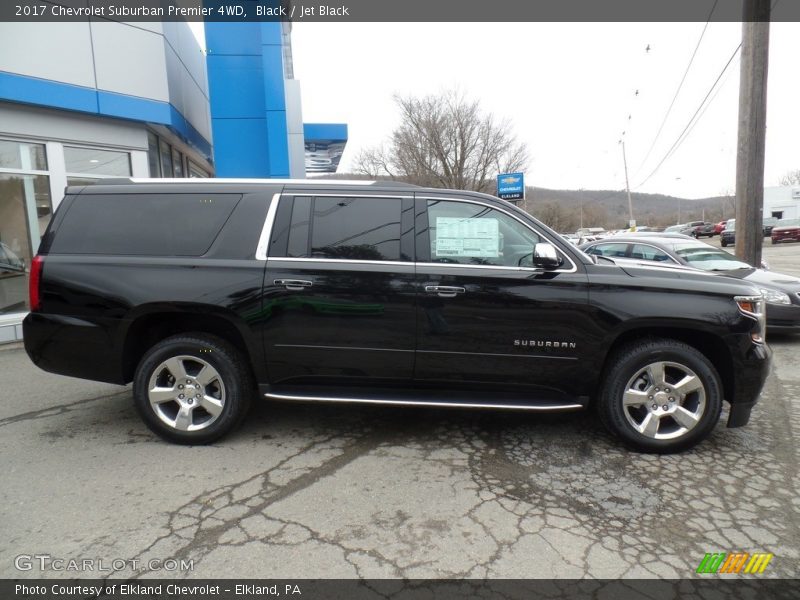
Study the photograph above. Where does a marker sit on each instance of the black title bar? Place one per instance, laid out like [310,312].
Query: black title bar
[337,11]
[706,588]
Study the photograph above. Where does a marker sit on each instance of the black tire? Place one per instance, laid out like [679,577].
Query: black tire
[723,243]
[632,360]
[232,377]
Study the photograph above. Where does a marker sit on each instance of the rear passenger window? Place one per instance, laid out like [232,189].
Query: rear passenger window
[354,228]
[646,252]
[143,224]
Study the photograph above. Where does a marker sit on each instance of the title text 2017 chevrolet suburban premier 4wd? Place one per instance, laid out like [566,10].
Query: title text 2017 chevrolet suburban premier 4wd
[202,292]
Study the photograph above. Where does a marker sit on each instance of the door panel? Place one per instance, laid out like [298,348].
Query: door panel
[353,322]
[512,328]
[341,307]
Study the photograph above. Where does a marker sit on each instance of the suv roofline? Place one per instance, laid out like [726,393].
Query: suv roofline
[286,185]
[233,181]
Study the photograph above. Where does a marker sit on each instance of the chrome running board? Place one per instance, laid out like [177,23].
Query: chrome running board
[544,407]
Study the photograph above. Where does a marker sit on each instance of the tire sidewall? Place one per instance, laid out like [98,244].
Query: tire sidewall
[613,412]
[219,356]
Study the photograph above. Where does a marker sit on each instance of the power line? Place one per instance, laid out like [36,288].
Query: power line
[705,108]
[681,138]
[677,91]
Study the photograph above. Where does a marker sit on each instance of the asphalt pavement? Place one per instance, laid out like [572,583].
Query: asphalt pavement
[318,491]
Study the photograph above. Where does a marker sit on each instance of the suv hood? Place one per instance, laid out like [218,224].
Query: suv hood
[686,277]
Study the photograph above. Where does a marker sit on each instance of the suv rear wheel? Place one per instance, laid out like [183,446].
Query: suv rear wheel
[661,396]
[192,389]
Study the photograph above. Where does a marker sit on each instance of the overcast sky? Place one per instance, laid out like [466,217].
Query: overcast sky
[568,89]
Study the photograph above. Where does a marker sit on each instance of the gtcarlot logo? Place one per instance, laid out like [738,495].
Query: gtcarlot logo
[47,562]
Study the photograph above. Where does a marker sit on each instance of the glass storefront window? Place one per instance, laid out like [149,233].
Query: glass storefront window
[25,211]
[177,163]
[195,171]
[152,155]
[101,162]
[166,159]
[18,155]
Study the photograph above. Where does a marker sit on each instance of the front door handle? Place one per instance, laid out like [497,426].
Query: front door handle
[294,285]
[445,291]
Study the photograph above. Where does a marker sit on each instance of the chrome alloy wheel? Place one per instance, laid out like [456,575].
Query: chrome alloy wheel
[186,393]
[664,401]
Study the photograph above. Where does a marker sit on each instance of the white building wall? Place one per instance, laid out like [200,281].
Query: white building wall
[55,51]
[156,61]
[294,129]
[782,199]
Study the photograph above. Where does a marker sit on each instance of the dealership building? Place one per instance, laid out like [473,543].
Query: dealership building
[85,101]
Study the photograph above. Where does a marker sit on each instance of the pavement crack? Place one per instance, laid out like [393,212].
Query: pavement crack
[57,410]
[207,537]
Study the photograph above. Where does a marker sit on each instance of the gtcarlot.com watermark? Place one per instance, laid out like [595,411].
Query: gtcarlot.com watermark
[47,562]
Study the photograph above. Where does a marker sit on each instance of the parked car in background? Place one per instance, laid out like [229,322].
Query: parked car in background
[571,238]
[768,224]
[673,234]
[704,230]
[594,231]
[728,235]
[780,291]
[675,228]
[690,227]
[719,227]
[786,230]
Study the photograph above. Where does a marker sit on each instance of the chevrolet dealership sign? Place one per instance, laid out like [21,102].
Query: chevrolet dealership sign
[511,186]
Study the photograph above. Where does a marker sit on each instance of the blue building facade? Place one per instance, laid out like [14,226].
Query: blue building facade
[248,79]
[256,113]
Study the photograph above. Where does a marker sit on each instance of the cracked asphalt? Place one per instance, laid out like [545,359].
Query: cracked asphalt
[315,491]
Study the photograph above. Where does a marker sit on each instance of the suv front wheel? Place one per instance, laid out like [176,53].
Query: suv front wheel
[661,396]
[192,389]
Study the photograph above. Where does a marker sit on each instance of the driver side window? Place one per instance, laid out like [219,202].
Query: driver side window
[475,234]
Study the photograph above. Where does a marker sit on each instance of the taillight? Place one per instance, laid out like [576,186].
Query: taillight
[34,282]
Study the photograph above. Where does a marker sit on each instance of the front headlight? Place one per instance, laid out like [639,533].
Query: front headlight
[755,308]
[774,296]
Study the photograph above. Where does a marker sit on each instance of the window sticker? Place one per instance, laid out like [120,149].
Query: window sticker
[472,238]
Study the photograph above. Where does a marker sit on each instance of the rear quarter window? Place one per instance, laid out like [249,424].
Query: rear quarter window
[143,224]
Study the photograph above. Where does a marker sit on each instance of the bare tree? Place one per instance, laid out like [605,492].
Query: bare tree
[556,216]
[446,141]
[791,178]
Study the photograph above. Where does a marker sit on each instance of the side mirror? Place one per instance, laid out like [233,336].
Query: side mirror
[545,256]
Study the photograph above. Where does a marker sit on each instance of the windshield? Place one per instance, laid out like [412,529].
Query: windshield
[708,258]
[788,223]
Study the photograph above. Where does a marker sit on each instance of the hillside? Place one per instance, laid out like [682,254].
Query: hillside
[561,209]
[609,208]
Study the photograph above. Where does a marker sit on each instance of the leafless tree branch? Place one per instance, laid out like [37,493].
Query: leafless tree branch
[446,141]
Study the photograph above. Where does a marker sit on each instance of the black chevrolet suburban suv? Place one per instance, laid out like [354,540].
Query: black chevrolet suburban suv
[204,292]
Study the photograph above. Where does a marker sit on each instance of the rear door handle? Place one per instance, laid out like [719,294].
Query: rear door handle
[445,291]
[295,285]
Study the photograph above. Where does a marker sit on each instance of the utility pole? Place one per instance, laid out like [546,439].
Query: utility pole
[627,185]
[752,130]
